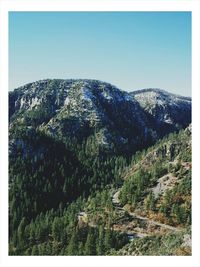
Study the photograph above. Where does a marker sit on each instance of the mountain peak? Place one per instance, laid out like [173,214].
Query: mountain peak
[83,107]
[161,104]
[157,92]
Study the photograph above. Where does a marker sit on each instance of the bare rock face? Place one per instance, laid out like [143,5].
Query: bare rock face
[187,241]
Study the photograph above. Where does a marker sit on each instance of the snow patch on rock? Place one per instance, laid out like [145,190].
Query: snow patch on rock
[86,94]
[35,102]
[107,95]
[67,101]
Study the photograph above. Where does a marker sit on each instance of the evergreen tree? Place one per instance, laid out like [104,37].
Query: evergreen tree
[150,201]
[72,248]
[100,241]
[35,251]
[90,243]
[21,231]
[108,238]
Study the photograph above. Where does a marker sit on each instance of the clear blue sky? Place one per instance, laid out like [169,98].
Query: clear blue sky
[132,50]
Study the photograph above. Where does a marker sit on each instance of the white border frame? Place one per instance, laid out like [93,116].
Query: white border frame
[99,5]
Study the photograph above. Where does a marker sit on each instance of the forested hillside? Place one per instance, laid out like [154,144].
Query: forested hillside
[84,178]
[159,185]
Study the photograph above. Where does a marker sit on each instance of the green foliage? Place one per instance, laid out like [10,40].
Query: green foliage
[134,188]
[168,245]
[90,248]
[173,206]
[54,175]
[60,233]
[72,248]
[21,232]
[176,203]
[159,169]
[150,202]
[49,188]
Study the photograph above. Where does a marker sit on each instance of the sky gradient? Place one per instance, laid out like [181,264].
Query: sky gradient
[132,50]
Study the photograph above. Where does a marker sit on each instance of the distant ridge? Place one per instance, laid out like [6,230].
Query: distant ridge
[158,90]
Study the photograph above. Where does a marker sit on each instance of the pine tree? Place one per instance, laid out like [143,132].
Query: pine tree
[72,248]
[35,250]
[90,244]
[108,238]
[57,226]
[150,202]
[20,232]
[100,242]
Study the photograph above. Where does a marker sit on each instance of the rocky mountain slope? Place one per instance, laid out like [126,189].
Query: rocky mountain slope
[70,145]
[164,167]
[157,192]
[163,106]
[118,121]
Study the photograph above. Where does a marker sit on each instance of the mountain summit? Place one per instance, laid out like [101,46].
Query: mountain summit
[118,120]
[162,105]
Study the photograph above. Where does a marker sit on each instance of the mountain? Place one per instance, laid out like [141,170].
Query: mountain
[157,192]
[118,121]
[163,106]
[70,143]
[150,216]
[165,169]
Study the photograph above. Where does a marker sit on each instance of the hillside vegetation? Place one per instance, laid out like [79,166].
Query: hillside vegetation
[94,170]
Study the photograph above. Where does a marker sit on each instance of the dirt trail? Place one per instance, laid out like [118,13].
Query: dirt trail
[117,205]
[166,226]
